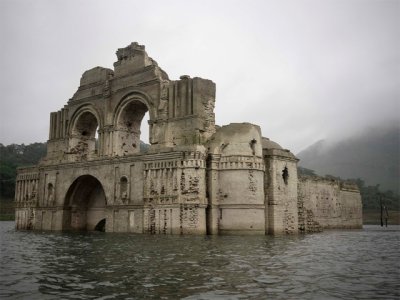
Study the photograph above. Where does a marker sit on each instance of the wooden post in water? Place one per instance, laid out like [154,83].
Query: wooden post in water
[380,200]
[384,211]
[386,214]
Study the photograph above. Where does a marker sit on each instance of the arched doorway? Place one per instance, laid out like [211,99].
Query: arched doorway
[128,128]
[86,202]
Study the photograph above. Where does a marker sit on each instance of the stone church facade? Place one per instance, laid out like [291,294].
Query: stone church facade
[195,178]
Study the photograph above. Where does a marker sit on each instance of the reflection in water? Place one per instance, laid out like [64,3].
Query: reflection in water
[352,264]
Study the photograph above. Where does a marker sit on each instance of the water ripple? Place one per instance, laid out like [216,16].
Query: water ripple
[360,264]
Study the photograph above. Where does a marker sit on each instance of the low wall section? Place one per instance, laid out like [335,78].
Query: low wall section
[328,203]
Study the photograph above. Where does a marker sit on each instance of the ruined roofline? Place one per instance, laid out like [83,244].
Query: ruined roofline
[110,72]
[131,60]
[343,183]
[133,65]
[135,55]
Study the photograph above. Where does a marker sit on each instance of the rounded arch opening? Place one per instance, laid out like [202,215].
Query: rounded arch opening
[132,128]
[123,188]
[85,201]
[84,140]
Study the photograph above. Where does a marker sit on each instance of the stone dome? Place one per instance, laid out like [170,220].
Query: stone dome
[268,144]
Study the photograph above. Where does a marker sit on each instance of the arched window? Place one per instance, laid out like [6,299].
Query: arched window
[123,187]
[84,136]
[129,125]
[50,193]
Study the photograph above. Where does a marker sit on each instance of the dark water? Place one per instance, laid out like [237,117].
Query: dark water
[363,264]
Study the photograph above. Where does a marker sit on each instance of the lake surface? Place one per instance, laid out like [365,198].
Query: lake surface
[360,264]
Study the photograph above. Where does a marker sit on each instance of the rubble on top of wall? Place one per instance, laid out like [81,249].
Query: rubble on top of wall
[343,184]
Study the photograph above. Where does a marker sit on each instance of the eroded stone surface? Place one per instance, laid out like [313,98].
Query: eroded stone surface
[195,178]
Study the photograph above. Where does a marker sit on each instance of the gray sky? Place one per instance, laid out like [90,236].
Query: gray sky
[302,70]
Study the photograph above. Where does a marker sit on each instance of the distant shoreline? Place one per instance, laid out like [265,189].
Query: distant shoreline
[373,217]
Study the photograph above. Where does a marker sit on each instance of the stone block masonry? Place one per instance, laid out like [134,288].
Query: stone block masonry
[195,178]
[328,203]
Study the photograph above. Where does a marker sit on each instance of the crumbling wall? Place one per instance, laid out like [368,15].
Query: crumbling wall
[351,206]
[181,111]
[193,178]
[280,183]
[174,194]
[307,220]
[26,196]
[185,113]
[328,203]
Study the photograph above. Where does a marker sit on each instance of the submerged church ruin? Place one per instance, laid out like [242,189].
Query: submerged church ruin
[195,177]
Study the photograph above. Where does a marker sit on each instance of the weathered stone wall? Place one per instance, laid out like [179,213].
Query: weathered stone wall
[26,195]
[195,178]
[174,194]
[235,176]
[155,193]
[94,169]
[328,203]
[280,184]
[112,103]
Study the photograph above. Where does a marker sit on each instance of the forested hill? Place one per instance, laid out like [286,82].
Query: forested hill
[373,157]
[13,156]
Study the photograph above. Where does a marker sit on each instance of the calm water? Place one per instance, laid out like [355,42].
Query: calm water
[363,264]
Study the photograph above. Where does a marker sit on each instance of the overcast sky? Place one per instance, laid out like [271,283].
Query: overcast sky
[302,70]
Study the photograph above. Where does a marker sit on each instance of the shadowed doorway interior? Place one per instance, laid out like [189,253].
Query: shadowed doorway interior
[86,203]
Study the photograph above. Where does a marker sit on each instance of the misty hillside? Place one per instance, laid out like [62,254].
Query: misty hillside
[373,157]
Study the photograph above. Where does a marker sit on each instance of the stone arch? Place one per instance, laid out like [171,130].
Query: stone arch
[85,204]
[83,128]
[128,118]
[136,95]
